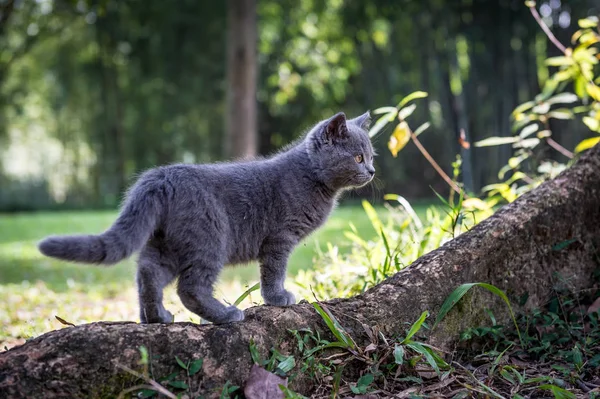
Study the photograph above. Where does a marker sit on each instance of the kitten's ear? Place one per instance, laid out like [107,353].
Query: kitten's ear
[363,121]
[335,127]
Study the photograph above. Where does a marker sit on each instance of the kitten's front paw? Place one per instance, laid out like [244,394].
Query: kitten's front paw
[281,298]
[164,317]
[230,315]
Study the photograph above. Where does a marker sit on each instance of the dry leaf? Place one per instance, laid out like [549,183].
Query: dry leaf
[371,347]
[63,321]
[462,140]
[594,307]
[399,138]
[263,385]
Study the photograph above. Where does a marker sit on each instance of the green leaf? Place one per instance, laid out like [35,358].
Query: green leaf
[422,128]
[592,123]
[254,352]
[399,354]
[577,357]
[528,130]
[334,326]
[417,347]
[461,290]
[406,112]
[382,121]
[385,110]
[541,108]
[146,393]
[365,380]
[372,215]
[587,144]
[287,364]
[559,393]
[508,376]
[412,96]
[593,91]
[289,394]
[440,198]
[561,114]
[492,141]
[407,207]
[178,384]
[560,61]
[415,327]
[196,366]
[562,245]
[181,363]
[336,344]
[589,22]
[563,98]
[246,293]
[523,107]
[143,354]
[527,143]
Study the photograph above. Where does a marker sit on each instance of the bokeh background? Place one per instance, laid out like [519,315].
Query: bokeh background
[92,92]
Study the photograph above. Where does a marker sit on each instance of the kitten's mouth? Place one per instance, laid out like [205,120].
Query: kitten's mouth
[363,180]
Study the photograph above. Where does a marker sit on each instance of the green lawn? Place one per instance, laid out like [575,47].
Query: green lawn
[34,289]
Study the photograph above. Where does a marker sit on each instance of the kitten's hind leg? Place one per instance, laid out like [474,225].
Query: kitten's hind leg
[195,288]
[152,278]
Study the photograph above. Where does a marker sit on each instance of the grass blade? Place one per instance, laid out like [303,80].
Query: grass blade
[336,329]
[412,96]
[559,393]
[415,327]
[417,347]
[461,290]
[246,293]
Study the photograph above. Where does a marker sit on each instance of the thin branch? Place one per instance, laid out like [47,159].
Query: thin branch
[435,165]
[155,385]
[560,148]
[546,30]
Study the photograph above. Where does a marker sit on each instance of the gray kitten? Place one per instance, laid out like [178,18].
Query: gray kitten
[191,220]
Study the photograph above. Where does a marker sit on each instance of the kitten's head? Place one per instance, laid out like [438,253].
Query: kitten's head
[341,152]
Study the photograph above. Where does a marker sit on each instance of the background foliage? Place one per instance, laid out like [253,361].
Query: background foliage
[94,91]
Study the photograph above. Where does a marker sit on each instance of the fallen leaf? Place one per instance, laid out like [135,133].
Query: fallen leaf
[594,307]
[63,321]
[371,347]
[262,384]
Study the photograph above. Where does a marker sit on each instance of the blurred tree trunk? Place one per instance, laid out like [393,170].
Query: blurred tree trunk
[114,136]
[240,119]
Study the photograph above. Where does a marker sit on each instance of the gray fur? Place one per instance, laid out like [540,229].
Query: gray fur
[191,220]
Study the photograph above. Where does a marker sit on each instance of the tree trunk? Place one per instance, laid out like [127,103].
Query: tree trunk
[240,119]
[515,250]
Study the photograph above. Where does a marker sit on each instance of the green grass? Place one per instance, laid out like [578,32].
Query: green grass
[33,288]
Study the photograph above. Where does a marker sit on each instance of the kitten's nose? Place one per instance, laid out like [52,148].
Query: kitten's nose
[371,171]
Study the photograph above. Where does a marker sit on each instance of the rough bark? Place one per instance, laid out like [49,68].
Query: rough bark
[515,250]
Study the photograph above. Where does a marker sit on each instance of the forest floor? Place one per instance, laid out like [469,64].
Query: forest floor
[555,354]
[34,289]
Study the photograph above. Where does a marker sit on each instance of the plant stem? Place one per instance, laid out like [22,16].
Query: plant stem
[546,30]
[155,385]
[560,148]
[437,168]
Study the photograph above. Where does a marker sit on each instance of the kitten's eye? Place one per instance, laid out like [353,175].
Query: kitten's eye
[359,158]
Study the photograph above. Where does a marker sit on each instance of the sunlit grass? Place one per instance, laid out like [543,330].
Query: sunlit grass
[34,289]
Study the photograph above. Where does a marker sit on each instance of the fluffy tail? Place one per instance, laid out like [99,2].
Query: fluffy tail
[133,227]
